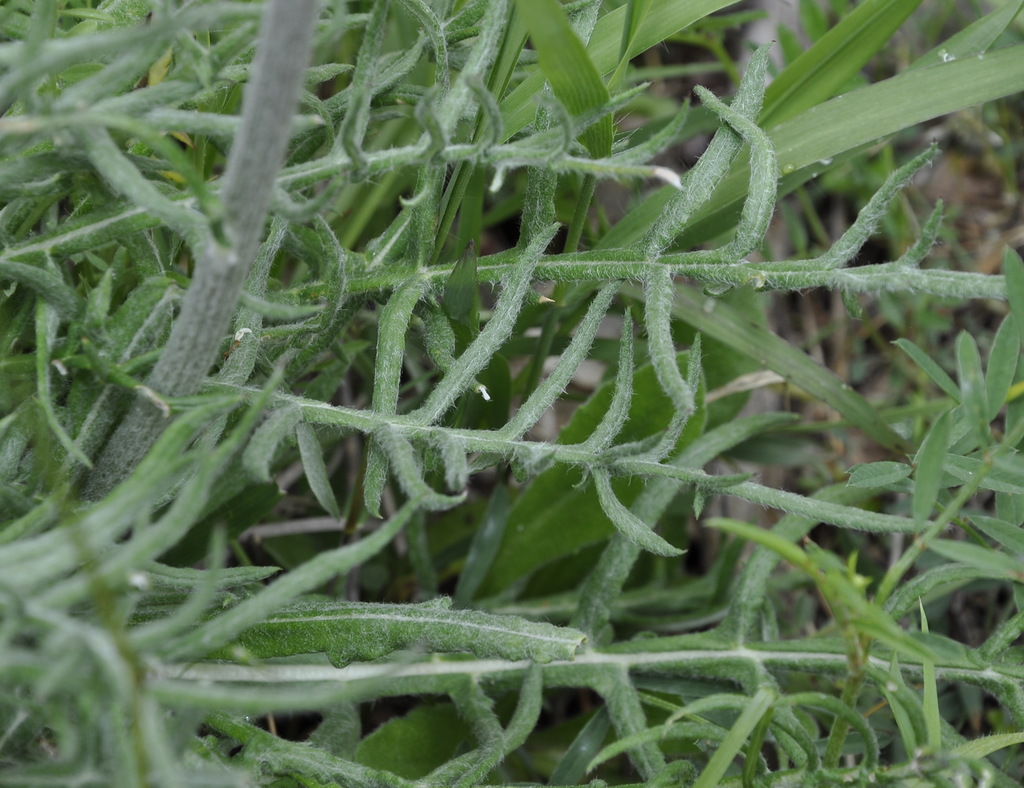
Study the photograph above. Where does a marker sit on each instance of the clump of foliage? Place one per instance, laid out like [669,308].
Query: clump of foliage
[241,279]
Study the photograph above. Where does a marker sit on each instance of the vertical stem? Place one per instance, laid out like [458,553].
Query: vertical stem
[268,105]
[257,153]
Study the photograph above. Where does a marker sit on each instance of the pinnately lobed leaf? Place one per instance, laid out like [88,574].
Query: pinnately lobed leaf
[387,375]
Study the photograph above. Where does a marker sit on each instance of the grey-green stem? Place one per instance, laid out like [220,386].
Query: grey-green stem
[257,154]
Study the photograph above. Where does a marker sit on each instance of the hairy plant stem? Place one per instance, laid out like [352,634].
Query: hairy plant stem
[269,102]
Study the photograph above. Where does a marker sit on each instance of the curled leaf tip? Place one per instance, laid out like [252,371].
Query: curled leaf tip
[668,176]
[155,398]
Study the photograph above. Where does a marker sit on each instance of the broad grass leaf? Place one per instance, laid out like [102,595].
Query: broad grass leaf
[462,294]
[930,700]
[850,121]
[904,714]
[813,19]
[573,765]
[479,413]
[636,10]
[730,747]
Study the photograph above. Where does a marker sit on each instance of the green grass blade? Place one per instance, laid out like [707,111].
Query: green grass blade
[932,717]
[636,10]
[719,320]
[902,715]
[568,68]
[807,143]
[834,59]
[484,547]
[573,765]
[731,746]
[661,21]
[976,38]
